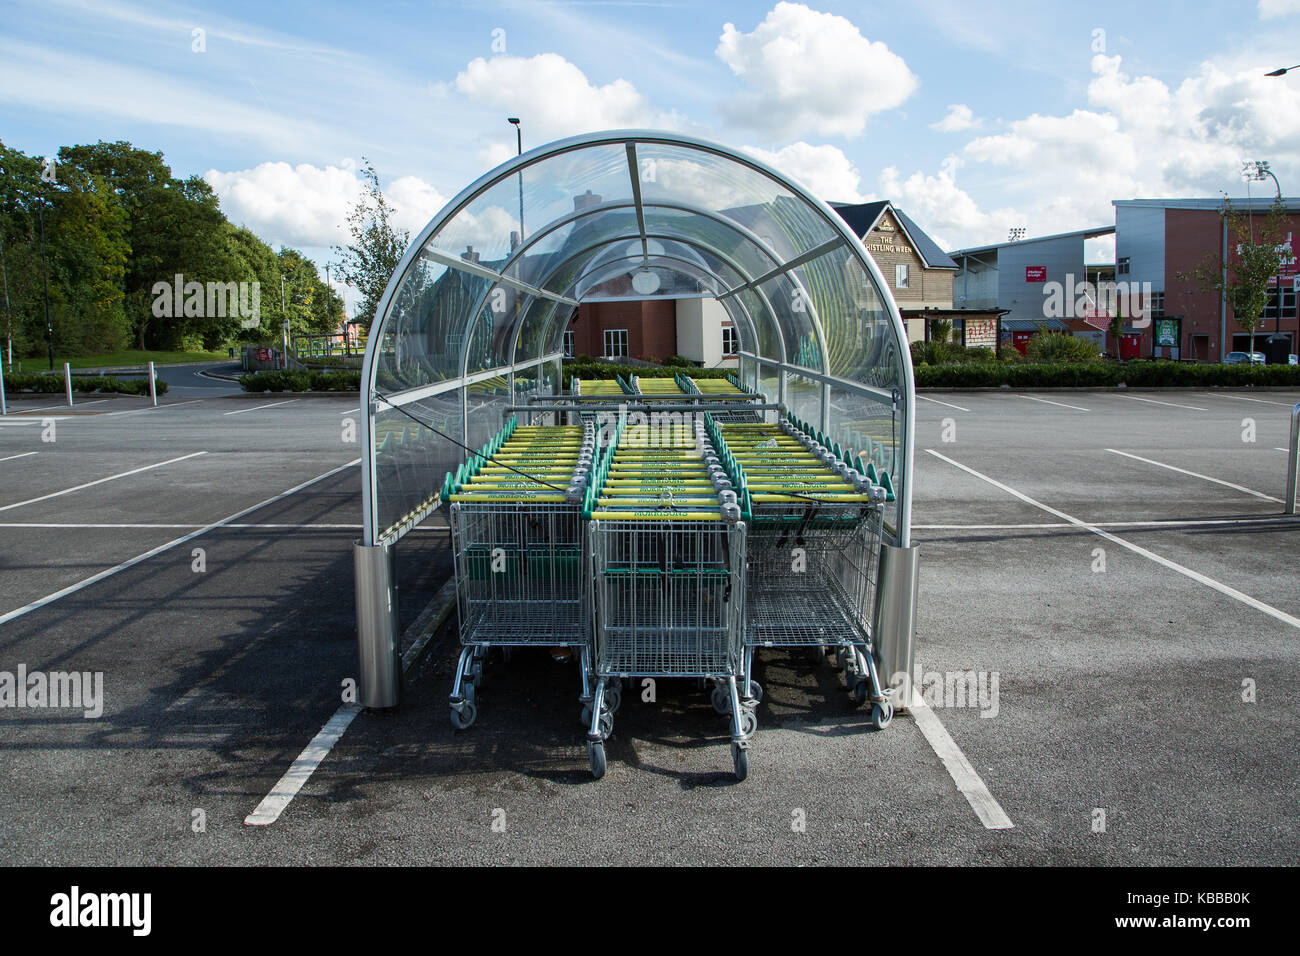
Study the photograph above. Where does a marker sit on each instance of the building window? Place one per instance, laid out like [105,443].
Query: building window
[1270,304]
[901,277]
[616,343]
[568,344]
[1156,305]
[1121,266]
[730,340]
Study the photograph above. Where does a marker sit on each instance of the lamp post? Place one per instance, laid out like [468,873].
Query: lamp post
[1257,170]
[1284,70]
[519,143]
[45,278]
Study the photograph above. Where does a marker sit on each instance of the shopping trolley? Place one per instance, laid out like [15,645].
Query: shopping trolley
[814,533]
[667,553]
[517,542]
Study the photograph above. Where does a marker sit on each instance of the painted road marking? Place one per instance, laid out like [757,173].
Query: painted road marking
[46,408]
[1048,525]
[23,455]
[91,484]
[1152,401]
[925,398]
[1136,549]
[273,804]
[1243,398]
[1193,474]
[241,411]
[1058,404]
[968,782]
[152,408]
[95,578]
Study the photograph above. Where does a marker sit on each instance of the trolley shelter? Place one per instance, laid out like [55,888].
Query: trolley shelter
[808,447]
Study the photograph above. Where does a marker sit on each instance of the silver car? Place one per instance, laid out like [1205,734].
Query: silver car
[1243,358]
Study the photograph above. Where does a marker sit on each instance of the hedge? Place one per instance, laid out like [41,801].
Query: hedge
[1104,374]
[602,370]
[55,385]
[300,381]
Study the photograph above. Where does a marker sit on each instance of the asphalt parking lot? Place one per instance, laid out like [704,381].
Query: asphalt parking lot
[1118,560]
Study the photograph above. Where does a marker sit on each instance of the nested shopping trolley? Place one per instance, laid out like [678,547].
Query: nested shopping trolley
[518,549]
[814,527]
[667,557]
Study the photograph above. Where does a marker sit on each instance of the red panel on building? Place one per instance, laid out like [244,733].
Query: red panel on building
[1035,273]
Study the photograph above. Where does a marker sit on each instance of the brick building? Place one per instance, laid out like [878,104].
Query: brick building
[1159,239]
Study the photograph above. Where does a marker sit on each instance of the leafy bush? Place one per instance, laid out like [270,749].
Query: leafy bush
[947,353]
[295,381]
[54,384]
[1103,374]
[601,370]
[1050,347]
[678,361]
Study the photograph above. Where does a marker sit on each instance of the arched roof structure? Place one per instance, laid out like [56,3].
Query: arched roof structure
[473,318]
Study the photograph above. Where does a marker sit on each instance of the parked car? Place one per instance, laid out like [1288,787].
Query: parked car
[1242,358]
[1293,359]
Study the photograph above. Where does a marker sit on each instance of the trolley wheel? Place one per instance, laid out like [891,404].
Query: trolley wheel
[748,723]
[755,692]
[740,759]
[606,723]
[882,715]
[463,717]
[721,699]
[596,754]
[861,690]
[469,691]
[476,670]
[586,715]
[613,697]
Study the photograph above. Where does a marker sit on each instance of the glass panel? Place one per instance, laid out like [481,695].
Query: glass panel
[720,184]
[795,308]
[424,330]
[553,188]
[410,458]
[868,426]
[803,396]
[860,337]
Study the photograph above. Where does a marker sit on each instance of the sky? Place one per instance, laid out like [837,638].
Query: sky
[974,118]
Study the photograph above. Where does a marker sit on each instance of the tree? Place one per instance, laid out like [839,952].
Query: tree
[1249,271]
[369,261]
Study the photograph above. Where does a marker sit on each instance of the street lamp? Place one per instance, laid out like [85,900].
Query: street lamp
[1284,70]
[1257,170]
[519,142]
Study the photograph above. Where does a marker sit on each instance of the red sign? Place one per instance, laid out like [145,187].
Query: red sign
[264,355]
[1035,273]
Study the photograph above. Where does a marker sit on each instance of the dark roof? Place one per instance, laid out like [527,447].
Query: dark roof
[862,218]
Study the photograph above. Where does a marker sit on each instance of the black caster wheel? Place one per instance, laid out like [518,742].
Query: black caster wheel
[882,715]
[740,760]
[463,717]
[596,754]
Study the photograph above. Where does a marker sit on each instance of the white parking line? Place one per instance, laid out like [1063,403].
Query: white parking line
[968,781]
[1243,398]
[1193,474]
[926,398]
[100,481]
[273,804]
[95,578]
[46,408]
[152,408]
[23,455]
[1048,525]
[1152,401]
[241,411]
[1136,549]
[1046,402]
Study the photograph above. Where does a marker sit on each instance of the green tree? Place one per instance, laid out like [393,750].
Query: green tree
[369,260]
[1248,272]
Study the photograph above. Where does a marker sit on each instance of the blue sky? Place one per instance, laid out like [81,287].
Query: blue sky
[974,118]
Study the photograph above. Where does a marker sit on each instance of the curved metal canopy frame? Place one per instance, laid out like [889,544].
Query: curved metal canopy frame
[512,274]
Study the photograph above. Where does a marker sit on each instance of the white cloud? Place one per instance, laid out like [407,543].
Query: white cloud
[306,206]
[811,71]
[555,98]
[1271,9]
[825,170]
[959,117]
[944,210]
